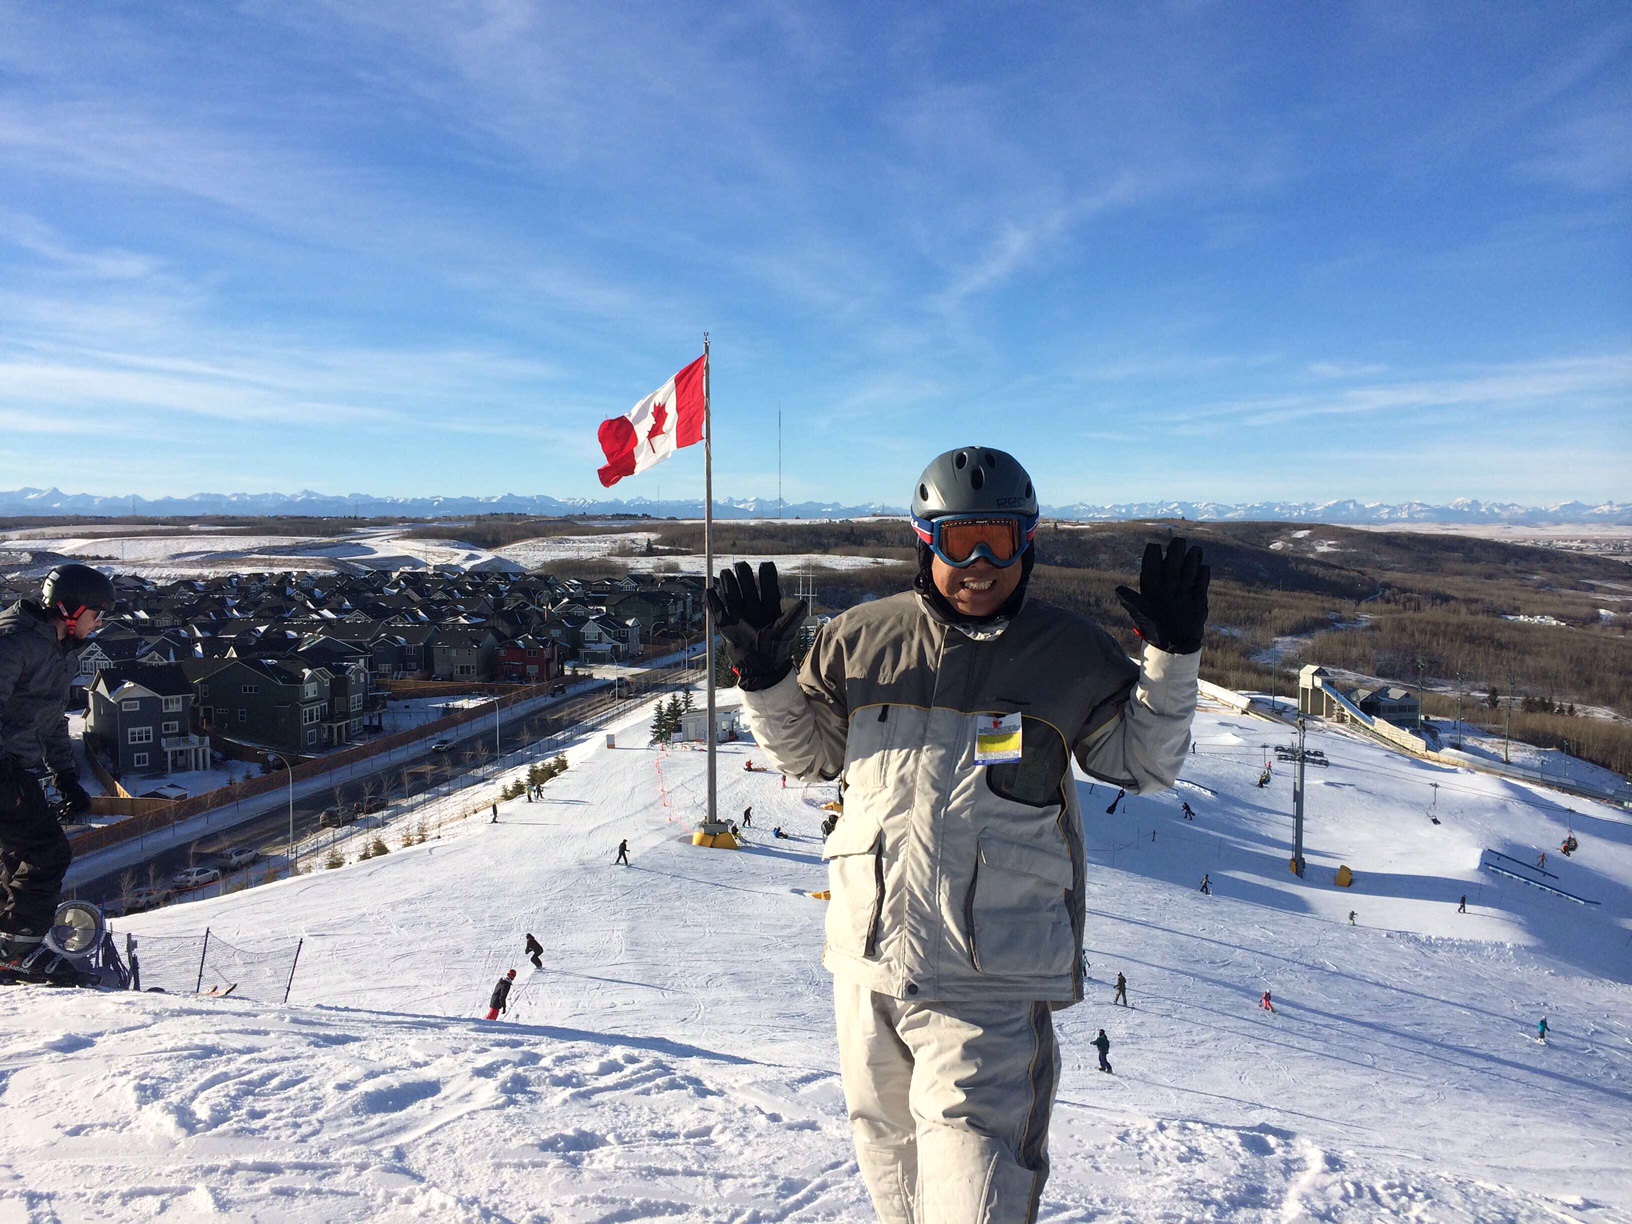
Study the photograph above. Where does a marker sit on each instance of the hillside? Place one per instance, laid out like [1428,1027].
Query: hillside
[674,1058]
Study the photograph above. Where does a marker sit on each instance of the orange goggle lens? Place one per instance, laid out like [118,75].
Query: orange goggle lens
[960,539]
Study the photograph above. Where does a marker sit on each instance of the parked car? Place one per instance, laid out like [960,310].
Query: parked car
[373,803]
[334,817]
[442,746]
[135,901]
[168,791]
[240,856]
[195,877]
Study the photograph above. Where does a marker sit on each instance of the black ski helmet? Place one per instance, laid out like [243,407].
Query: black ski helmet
[69,590]
[973,480]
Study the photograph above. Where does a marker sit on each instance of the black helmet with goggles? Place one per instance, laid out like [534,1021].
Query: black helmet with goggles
[975,503]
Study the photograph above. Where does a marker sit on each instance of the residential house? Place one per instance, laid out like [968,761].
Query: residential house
[528,660]
[140,720]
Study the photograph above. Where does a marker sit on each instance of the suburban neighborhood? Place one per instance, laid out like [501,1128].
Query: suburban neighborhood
[297,664]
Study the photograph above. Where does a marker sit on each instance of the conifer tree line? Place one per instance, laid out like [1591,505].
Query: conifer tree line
[666,716]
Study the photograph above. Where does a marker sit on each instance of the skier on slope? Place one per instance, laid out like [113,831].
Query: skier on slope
[1121,995]
[1206,884]
[1102,1043]
[954,712]
[499,1000]
[1188,814]
[623,853]
[1541,1031]
[1267,1003]
[534,951]
[39,657]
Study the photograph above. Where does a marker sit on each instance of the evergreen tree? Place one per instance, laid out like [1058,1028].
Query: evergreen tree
[661,731]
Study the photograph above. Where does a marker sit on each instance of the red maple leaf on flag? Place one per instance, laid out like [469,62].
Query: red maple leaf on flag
[660,418]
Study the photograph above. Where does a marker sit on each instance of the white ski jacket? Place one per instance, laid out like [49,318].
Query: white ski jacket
[953,880]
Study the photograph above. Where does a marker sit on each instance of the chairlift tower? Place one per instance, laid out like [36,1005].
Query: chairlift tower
[1300,756]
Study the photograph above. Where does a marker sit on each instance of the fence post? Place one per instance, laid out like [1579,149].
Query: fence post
[203,952]
[292,965]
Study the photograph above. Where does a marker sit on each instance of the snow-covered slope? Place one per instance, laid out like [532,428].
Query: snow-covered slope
[674,1058]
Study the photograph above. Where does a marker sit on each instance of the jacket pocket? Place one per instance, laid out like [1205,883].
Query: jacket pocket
[868,740]
[1019,923]
[855,874]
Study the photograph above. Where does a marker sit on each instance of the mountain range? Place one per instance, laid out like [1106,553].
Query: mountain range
[44,502]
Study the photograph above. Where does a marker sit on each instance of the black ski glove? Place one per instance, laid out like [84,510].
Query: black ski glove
[74,796]
[758,626]
[1169,609]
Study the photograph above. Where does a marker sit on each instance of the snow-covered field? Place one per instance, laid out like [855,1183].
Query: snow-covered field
[169,555]
[674,1058]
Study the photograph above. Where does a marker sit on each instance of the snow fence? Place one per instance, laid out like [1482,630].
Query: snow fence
[208,964]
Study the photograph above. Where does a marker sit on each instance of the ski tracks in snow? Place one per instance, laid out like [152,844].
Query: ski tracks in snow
[329,1114]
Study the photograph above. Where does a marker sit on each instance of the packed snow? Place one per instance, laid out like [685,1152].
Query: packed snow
[170,555]
[674,1058]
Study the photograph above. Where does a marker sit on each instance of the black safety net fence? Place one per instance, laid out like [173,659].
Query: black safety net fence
[208,964]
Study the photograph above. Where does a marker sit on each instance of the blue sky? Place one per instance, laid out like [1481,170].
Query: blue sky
[1184,250]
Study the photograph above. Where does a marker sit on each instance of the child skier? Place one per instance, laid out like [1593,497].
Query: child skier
[1267,1004]
[500,998]
[1541,1031]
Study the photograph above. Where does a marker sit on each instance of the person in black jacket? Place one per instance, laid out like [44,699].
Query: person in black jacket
[534,951]
[39,656]
[498,1001]
[1102,1043]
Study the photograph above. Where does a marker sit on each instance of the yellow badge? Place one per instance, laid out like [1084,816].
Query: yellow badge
[997,738]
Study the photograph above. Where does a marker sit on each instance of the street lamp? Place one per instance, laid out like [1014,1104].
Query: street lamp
[289,768]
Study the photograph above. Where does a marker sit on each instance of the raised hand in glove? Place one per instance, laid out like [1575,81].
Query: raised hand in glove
[74,796]
[756,623]
[1169,609]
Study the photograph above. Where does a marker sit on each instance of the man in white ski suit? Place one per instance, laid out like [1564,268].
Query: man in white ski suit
[957,869]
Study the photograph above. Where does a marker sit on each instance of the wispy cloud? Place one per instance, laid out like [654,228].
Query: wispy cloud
[1606,379]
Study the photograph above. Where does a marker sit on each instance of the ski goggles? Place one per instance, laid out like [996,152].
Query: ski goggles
[962,539]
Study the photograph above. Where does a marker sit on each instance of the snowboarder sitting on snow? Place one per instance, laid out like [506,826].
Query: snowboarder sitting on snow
[945,977]
[500,998]
[1266,1003]
[1102,1043]
[777,832]
[1263,779]
[535,950]
[39,657]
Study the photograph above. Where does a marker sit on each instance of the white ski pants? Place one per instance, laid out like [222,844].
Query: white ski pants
[949,1103]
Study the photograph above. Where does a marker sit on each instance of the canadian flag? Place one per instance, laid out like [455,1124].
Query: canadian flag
[651,431]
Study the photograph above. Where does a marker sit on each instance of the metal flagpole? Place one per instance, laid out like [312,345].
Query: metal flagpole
[711,819]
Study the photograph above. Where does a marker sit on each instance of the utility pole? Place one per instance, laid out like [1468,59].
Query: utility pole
[1507,723]
[1459,711]
[1297,806]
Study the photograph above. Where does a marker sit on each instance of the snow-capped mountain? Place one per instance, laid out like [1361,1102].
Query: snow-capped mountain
[19,502]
